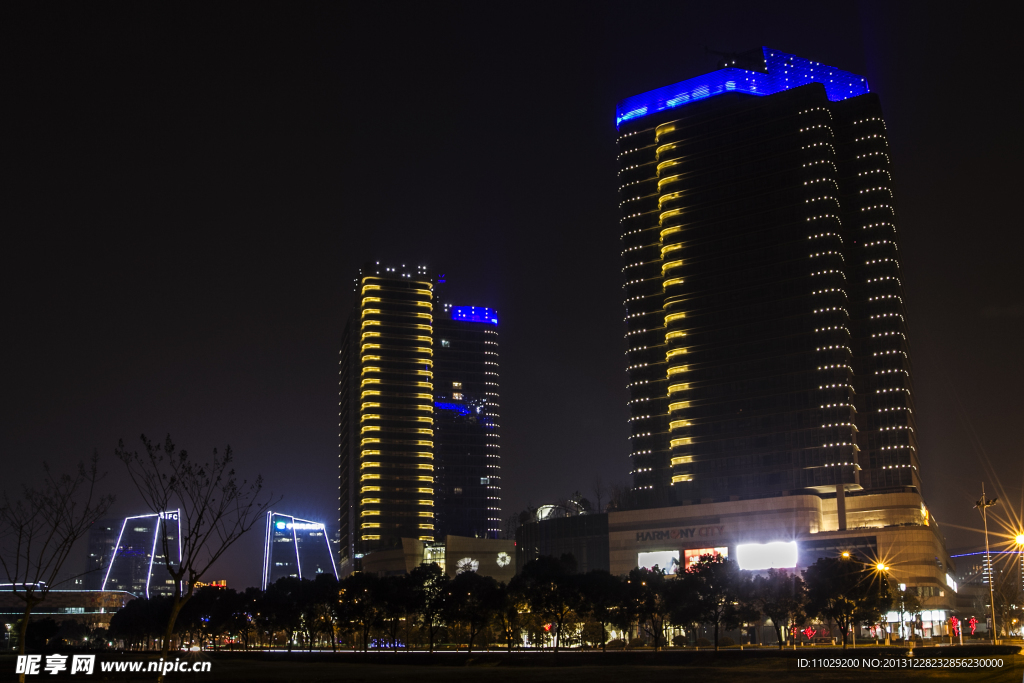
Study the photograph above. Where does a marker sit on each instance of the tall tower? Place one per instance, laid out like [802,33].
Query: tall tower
[386,438]
[766,328]
[466,415]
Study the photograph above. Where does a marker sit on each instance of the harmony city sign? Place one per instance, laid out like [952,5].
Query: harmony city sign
[681,534]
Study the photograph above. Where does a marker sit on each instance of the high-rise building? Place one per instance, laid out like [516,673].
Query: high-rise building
[418,403]
[386,406]
[466,432]
[295,547]
[138,563]
[102,541]
[765,312]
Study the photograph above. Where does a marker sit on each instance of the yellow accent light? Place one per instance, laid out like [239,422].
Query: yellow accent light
[673,317]
[671,264]
[368,346]
[670,248]
[684,441]
[430,491]
[670,231]
[369,513]
[675,388]
[369,488]
[371,311]
[425,514]
[365,465]
[672,353]
[373,475]
[675,334]
[671,281]
[676,369]
[425,526]
[678,405]
[679,424]
[682,460]
[425,467]
[366,441]
[681,477]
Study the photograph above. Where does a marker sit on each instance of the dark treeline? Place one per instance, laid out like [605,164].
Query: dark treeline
[547,605]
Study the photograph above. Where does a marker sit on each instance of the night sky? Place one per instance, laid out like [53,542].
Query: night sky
[188,197]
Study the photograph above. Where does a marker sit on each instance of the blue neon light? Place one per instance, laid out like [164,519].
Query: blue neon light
[474,314]
[782,72]
[457,407]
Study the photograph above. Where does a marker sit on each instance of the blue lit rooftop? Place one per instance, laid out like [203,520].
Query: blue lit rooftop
[781,72]
[475,314]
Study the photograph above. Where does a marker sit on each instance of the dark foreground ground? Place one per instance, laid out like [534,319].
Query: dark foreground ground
[582,667]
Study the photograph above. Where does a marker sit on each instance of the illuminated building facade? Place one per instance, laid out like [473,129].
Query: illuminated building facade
[386,406]
[765,319]
[295,547]
[466,431]
[138,564]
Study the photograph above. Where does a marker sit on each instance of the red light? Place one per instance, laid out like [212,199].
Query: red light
[973,623]
[809,632]
[547,627]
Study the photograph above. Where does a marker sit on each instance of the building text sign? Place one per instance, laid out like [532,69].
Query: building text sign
[681,534]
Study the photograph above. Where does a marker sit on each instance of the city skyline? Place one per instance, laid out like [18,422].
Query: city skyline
[206,271]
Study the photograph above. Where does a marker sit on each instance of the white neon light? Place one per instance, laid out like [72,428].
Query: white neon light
[152,553]
[117,546]
[778,555]
[295,542]
[266,550]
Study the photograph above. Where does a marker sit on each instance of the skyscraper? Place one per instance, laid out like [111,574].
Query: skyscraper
[101,545]
[418,402]
[386,397]
[138,562]
[295,547]
[466,430]
[766,329]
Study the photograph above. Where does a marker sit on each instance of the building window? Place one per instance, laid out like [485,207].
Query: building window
[457,490]
[444,343]
[456,386]
[485,480]
[456,395]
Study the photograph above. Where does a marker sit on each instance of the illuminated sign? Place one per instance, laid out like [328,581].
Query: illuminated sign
[693,555]
[680,534]
[951,583]
[474,314]
[667,561]
[757,556]
[300,526]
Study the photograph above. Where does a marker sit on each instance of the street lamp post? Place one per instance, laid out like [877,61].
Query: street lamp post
[983,505]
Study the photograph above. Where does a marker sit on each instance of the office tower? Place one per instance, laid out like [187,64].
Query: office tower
[386,397]
[138,563]
[101,543]
[766,326]
[295,547]
[466,433]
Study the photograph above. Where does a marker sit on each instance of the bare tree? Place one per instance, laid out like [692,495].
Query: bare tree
[215,510]
[38,530]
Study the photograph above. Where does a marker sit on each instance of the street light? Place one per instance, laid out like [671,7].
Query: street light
[983,504]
